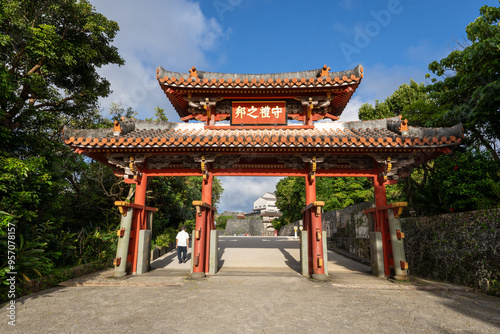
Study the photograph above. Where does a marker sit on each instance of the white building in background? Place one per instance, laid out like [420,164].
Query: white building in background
[266,203]
[265,208]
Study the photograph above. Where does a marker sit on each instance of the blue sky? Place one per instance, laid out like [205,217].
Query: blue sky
[394,40]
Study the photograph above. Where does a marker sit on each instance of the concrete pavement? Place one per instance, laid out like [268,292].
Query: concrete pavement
[257,290]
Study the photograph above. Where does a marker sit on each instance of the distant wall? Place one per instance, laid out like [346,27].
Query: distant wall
[347,229]
[288,230]
[244,226]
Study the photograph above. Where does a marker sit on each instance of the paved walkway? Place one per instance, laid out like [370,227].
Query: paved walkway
[257,290]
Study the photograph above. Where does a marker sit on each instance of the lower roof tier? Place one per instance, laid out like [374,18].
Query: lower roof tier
[137,134]
[387,144]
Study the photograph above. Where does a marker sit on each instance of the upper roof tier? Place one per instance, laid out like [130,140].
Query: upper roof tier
[321,85]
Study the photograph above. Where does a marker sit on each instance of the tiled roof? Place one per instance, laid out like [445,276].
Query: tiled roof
[334,87]
[389,132]
[385,146]
[315,78]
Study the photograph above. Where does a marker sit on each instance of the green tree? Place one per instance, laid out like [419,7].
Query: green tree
[159,114]
[410,101]
[462,181]
[174,197]
[379,111]
[340,192]
[117,111]
[290,199]
[468,84]
[222,222]
[336,192]
[50,53]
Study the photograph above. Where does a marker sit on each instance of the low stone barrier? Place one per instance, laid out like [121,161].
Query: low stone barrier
[156,252]
[49,281]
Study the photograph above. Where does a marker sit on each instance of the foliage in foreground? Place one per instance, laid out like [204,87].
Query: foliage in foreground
[61,203]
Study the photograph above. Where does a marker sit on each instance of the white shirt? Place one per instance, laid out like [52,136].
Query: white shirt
[182,238]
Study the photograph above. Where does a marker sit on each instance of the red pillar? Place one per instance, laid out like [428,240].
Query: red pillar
[315,230]
[206,196]
[206,190]
[382,223]
[139,220]
[202,243]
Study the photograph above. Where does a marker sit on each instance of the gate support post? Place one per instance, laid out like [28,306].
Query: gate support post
[312,215]
[214,250]
[131,214]
[304,250]
[382,224]
[204,224]
[398,249]
[120,262]
[387,250]
[140,219]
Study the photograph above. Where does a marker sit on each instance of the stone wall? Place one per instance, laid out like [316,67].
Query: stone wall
[347,229]
[288,230]
[244,226]
[462,248]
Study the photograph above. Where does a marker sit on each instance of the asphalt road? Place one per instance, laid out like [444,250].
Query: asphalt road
[257,290]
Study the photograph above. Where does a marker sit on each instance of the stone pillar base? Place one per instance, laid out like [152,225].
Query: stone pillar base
[198,275]
[119,274]
[319,277]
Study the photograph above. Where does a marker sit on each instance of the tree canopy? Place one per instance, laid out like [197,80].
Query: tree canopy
[464,89]
[50,53]
[468,81]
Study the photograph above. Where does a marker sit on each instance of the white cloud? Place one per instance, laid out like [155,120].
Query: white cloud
[350,112]
[241,191]
[173,34]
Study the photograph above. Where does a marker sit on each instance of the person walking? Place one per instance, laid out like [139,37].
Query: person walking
[182,244]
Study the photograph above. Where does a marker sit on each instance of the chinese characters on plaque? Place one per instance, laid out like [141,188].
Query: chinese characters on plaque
[258,113]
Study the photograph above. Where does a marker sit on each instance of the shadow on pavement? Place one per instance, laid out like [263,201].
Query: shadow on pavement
[281,244]
[170,259]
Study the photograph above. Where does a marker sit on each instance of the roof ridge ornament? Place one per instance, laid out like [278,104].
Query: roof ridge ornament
[117,129]
[325,71]
[193,73]
[403,128]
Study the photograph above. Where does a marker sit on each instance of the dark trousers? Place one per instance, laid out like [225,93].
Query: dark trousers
[181,253]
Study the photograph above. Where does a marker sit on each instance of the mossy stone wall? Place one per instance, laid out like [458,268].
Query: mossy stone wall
[347,229]
[461,248]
